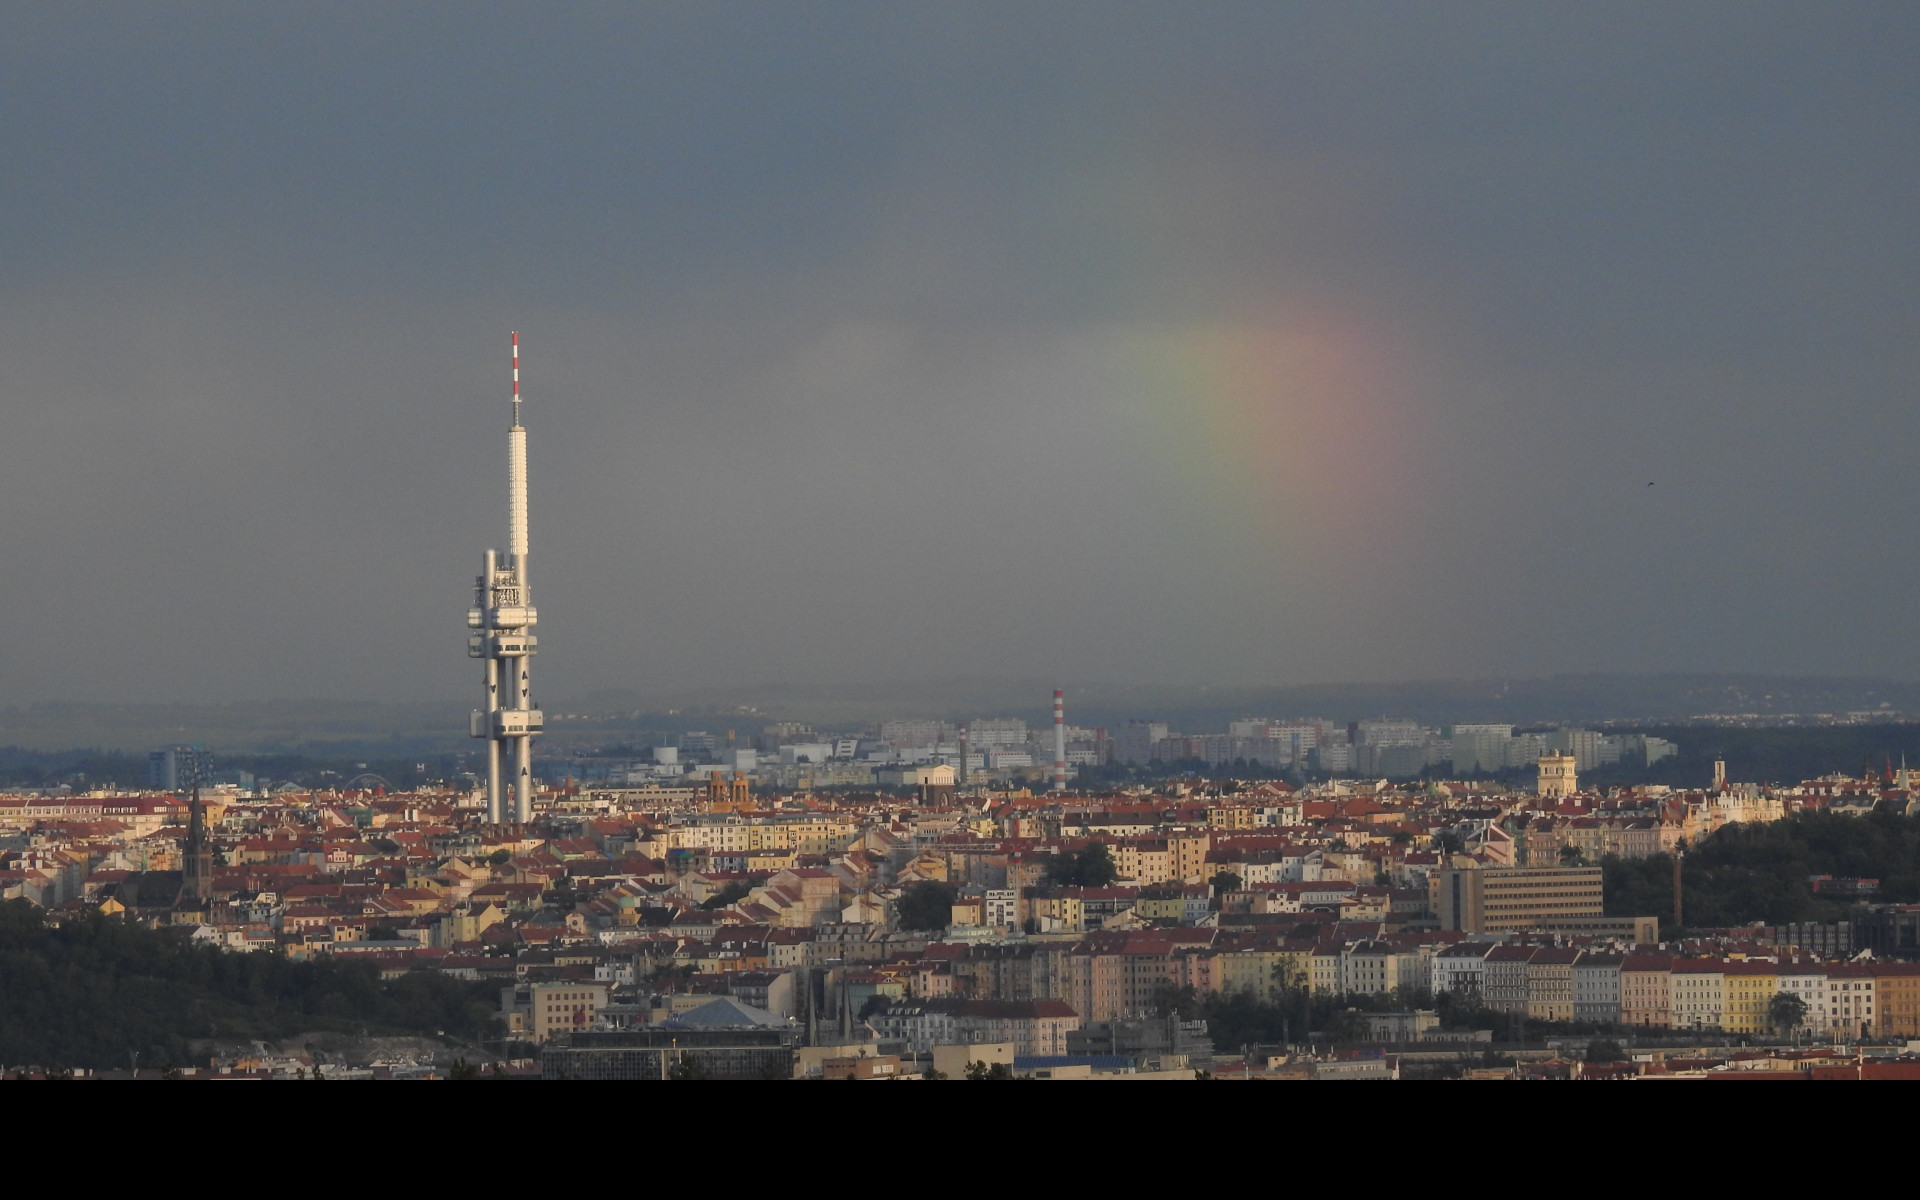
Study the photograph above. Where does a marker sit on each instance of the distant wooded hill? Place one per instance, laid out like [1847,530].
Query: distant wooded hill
[1747,873]
[92,990]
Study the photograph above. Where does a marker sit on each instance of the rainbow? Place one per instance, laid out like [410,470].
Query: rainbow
[1294,428]
[1285,407]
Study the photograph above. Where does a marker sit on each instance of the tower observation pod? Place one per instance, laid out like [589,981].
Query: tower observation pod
[500,633]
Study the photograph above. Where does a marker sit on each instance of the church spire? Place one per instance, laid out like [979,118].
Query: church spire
[199,855]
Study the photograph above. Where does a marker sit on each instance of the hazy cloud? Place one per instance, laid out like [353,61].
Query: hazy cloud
[1149,343]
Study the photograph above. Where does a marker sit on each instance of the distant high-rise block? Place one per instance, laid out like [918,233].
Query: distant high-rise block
[177,768]
[1480,748]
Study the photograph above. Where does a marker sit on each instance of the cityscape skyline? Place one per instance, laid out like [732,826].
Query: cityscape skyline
[360,728]
[1449,468]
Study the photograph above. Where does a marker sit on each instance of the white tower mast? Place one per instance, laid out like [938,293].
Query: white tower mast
[504,615]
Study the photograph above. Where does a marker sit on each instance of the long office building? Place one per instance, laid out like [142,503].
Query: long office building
[1510,899]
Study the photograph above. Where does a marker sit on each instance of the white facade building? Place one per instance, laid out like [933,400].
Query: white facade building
[1809,982]
[1460,968]
[1596,988]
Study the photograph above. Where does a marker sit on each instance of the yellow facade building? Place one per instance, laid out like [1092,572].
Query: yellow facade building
[1750,987]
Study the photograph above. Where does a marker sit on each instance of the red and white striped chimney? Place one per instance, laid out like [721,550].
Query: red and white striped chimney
[1059,741]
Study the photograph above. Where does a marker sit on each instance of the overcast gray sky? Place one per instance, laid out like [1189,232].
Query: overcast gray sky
[1177,343]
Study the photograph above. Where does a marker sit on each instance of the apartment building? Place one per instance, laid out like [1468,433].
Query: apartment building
[1897,999]
[1646,990]
[1850,994]
[1699,988]
[1460,969]
[1505,978]
[1549,981]
[1377,967]
[1596,987]
[1750,987]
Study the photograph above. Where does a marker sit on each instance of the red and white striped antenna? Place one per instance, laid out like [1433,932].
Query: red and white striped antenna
[516,378]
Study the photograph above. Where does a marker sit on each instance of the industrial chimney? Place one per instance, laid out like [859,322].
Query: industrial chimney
[1059,741]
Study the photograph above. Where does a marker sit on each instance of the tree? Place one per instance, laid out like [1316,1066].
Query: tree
[1348,1025]
[1293,998]
[1786,1011]
[773,1068]
[1171,998]
[663,977]
[736,889]
[981,1070]
[1096,866]
[1224,882]
[1092,866]
[1289,976]
[1572,856]
[1605,1050]
[1465,1008]
[927,905]
[688,1067]
[462,1069]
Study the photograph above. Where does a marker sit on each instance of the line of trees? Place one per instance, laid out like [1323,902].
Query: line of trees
[1237,1019]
